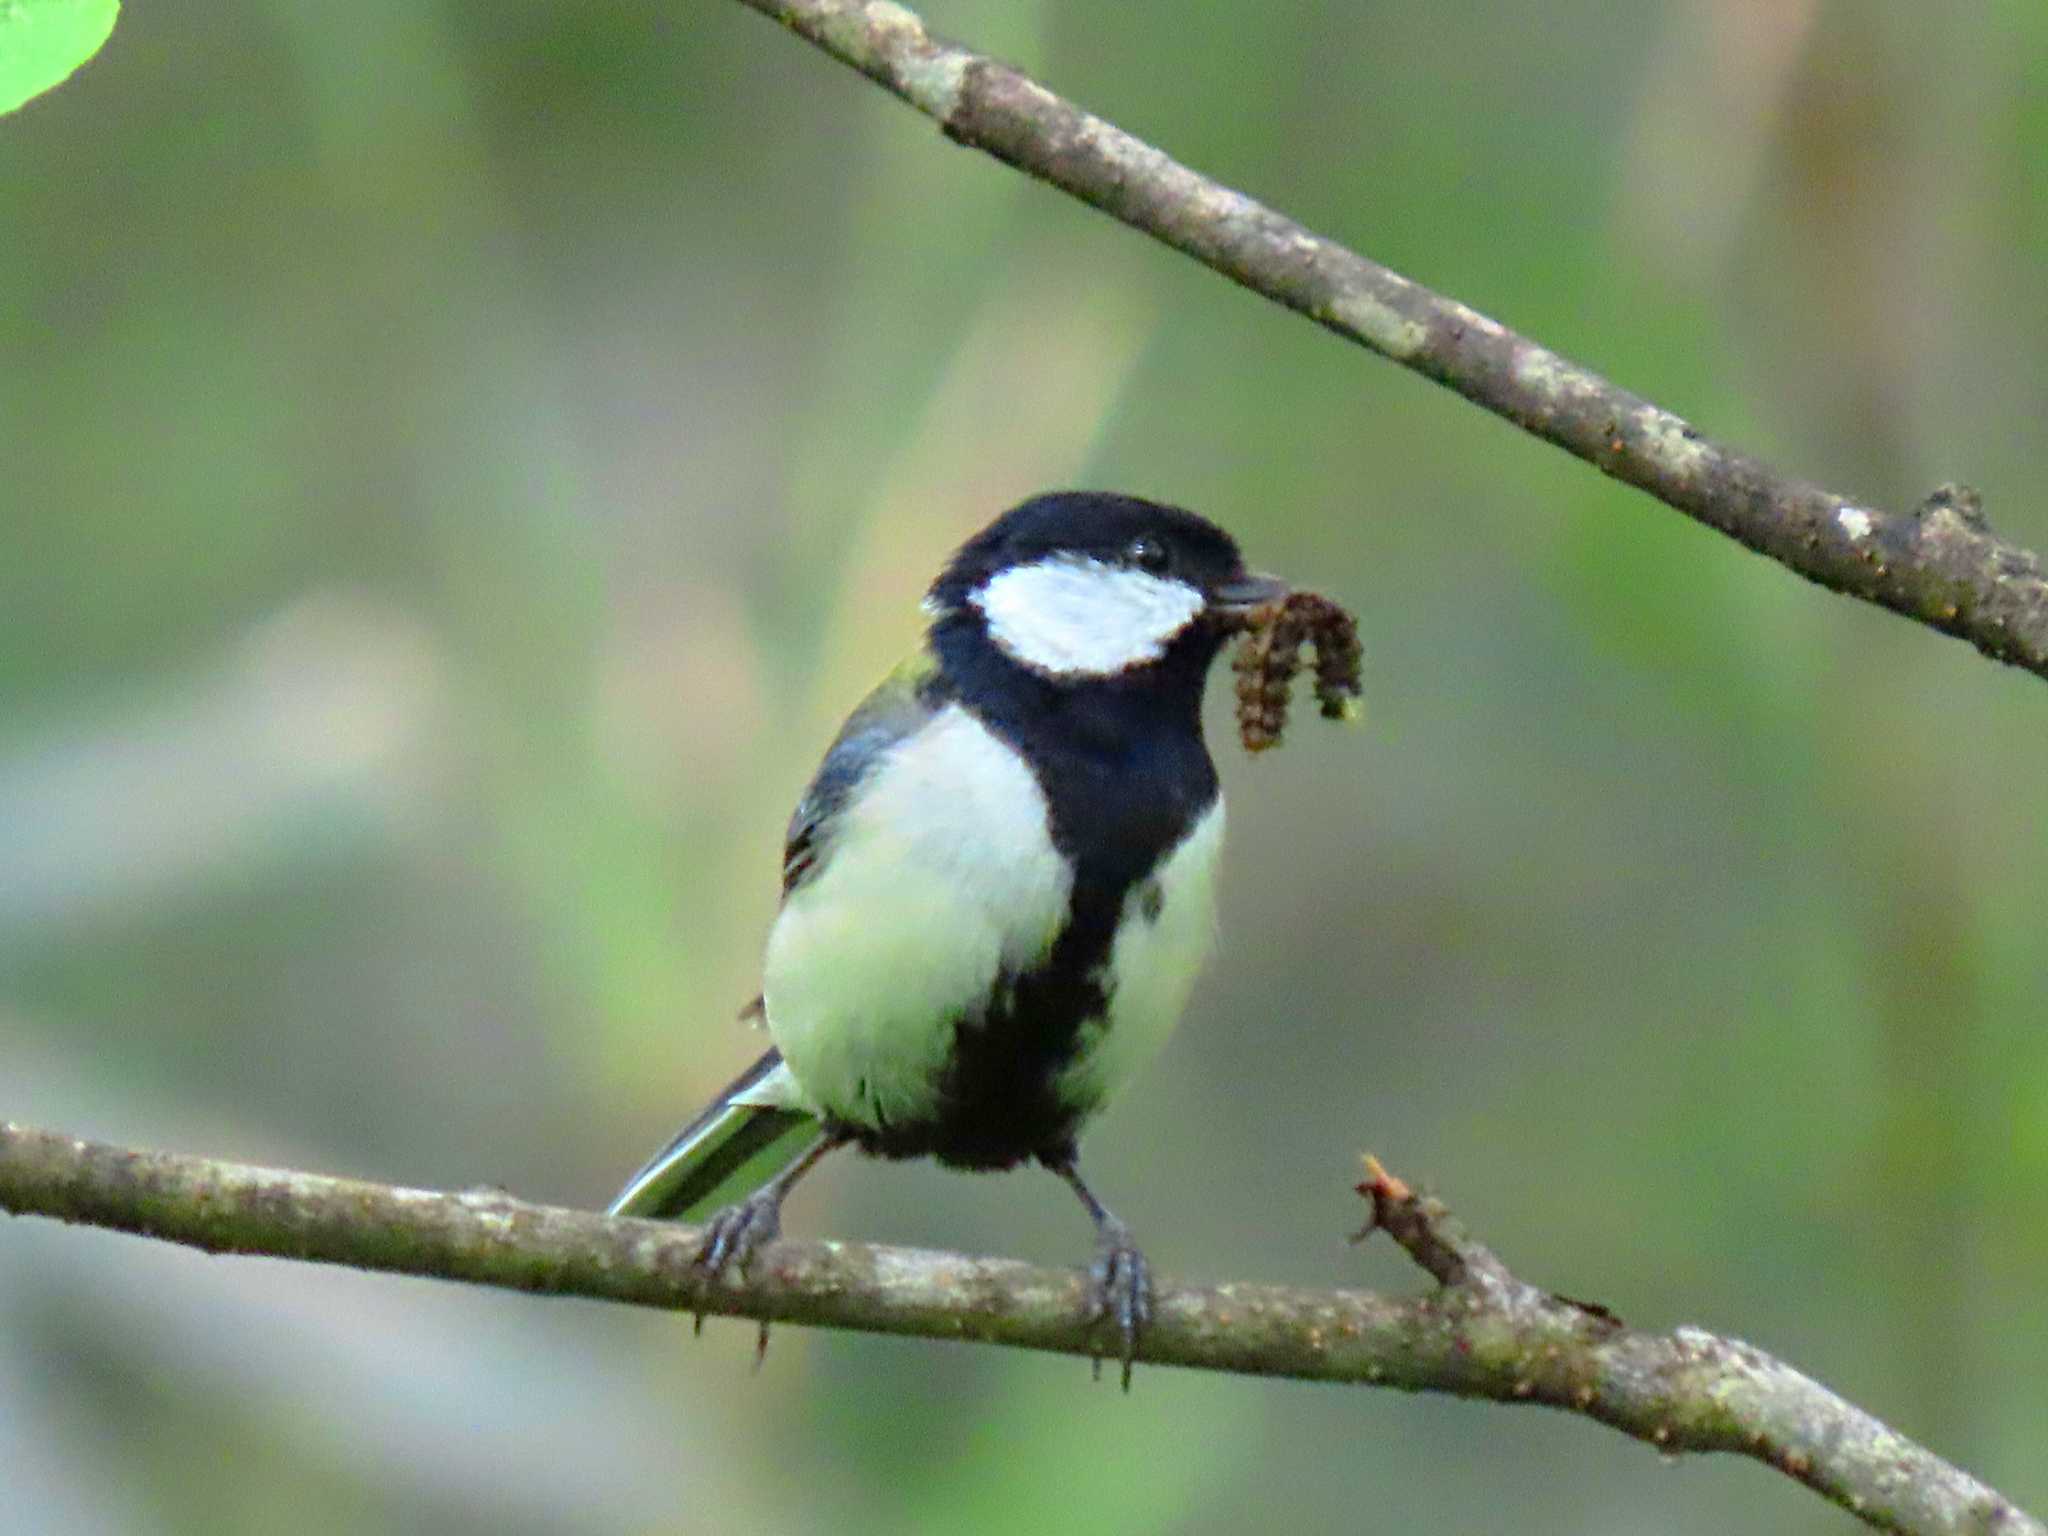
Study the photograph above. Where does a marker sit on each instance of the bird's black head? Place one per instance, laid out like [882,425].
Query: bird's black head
[1085,587]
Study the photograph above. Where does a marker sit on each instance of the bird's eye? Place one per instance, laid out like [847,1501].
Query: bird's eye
[1147,554]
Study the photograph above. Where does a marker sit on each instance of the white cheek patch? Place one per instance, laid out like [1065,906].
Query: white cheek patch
[1070,617]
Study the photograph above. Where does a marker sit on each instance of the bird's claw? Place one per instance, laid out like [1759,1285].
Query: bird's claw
[733,1235]
[1120,1292]
[730,1239]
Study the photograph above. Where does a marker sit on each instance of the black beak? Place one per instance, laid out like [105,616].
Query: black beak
[1244,592]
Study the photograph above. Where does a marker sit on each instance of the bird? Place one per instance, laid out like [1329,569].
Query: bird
[997,890]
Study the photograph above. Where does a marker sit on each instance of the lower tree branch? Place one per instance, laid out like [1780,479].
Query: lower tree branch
[1939,564]
[1483,1333]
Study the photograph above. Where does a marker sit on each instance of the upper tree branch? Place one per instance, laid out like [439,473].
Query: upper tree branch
[1483,1334]
[1939,564]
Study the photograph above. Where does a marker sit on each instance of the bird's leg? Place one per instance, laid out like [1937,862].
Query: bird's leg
[1119,1281]
[732,1234]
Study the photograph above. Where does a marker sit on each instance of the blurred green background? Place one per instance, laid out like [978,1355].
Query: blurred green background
[460,460]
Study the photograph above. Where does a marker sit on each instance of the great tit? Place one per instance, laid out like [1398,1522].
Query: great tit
[998,889]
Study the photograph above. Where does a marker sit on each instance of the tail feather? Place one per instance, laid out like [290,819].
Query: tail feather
[747,1135]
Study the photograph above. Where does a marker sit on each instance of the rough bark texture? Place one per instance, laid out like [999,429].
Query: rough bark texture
[1482,1334]
[1940,563]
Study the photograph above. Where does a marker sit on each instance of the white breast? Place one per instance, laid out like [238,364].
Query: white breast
[940,875]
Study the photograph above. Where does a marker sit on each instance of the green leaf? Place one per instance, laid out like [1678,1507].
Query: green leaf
[43,41]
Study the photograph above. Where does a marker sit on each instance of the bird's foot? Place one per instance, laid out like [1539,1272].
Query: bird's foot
[730,1238]
[1119,1292]
[734,1233]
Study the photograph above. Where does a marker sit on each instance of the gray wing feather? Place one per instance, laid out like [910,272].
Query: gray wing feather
[900,704]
